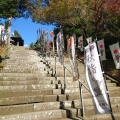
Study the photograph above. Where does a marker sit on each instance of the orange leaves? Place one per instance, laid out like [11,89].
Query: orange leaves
[113,6]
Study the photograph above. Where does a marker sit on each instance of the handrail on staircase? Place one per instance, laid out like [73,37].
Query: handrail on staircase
[78,79]
[80,87]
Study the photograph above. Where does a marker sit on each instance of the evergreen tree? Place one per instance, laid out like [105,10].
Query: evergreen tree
[16,34]
[32,46]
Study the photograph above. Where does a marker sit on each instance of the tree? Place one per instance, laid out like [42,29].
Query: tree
[90,16]
[32,46]
[16,34]
[15,8]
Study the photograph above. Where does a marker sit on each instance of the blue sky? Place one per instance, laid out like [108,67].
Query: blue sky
[27,29]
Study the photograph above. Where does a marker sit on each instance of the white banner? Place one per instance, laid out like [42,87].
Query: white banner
[62,37]
[115,50]
[101,48]
[80,43]
[89,40]
[2,31]
[59,43]
[95,80]
[72,56]
[52,36]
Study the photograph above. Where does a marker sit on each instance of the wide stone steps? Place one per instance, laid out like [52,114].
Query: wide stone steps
[103,117]
[38,106]
[40,115]
[42,74]
[26,82]
[12,93]
[26,77]
[28,87]
[38,96]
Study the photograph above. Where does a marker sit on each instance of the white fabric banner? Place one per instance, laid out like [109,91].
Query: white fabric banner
[95,80]
[89,40]
[101,48]
[62,37]
[72,56]
[2,31]
[80,43]
[48,46]
[52,36]
[59,43]
[115,50]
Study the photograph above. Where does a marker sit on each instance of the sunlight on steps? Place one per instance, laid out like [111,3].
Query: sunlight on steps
[29,90]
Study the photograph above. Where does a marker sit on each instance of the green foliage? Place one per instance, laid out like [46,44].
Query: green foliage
[8,8]
[16,34]
[16,8]
[32,46]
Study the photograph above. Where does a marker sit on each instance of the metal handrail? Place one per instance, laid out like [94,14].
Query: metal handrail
[78,79]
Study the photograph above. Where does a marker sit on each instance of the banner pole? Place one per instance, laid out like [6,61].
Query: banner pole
[112,115]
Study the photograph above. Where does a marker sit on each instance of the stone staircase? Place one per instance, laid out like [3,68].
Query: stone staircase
[30,90]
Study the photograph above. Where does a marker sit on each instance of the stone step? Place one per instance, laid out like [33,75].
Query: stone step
[25,78]
[77,90]
[18,64]
[74,90]
[76,85]
[68,79]
[103,117]
[71,96]
[22,71]
[43,106]
[25,71]
[23,67]
[23,74]
[29,87]
[61,80]
[24,108]
[88,102]
[90,110]
[40,115]
[17,93]
[26,82]
[21,100]
[28,99]
[24,60]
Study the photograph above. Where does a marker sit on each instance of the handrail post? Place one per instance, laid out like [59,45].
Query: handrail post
[81,100]
[64,79]
[55,65]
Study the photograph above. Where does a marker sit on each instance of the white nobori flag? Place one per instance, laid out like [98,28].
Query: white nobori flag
[80,43]
[101,48]
[89,40]
[59,43]
[95,80]
[72,56]
[115,50]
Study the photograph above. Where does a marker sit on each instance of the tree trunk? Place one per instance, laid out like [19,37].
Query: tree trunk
[9,30]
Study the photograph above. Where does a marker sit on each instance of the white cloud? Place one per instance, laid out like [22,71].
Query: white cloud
[26,45]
